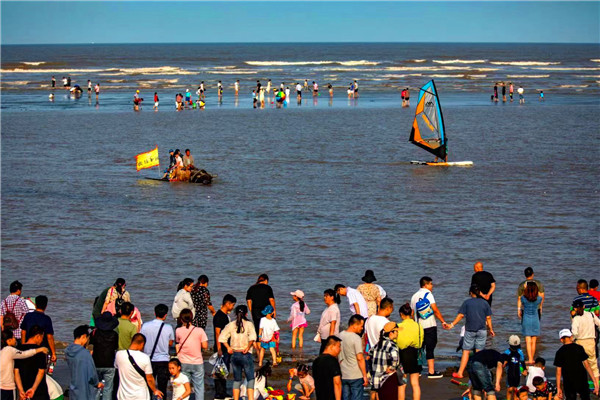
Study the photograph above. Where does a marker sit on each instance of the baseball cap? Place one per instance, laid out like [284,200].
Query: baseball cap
[564,333]
[514,340]
[298,293]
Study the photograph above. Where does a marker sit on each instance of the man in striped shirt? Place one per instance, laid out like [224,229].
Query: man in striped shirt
[13,303]
[589,302]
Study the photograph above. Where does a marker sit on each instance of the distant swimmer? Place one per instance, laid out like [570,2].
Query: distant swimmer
[68,82]
[178,102]
[269,86]
[355,88]
[306,84]
[258,86]
[202,90]
[261,97]
[541,95]
[254,99]
[407,97]
[351,93]
[51,96]
[97,90]
[137,100]
[521,98]
[155,101]
[287,94]
[64,81]
[330,89]
[503,92]
[403,95]
[299,91]
[53,82]
[188,97]
[89,87]
[282,85]
[496,92]
[510,91]
[220,89]
[237,87]
[315,88]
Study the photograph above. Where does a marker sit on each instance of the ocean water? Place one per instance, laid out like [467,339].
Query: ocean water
[312,194]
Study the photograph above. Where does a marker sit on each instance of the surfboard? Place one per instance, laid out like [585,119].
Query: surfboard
[428,130]
[444,164]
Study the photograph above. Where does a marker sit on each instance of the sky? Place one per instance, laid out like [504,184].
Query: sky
[60,22]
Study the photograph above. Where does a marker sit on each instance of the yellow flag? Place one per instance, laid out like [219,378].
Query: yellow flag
[147,160]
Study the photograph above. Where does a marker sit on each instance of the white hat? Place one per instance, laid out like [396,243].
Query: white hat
[564,333]
[298,293]
[514,340]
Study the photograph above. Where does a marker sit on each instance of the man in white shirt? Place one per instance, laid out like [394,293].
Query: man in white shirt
[376,322]
[583,328]
[426,311]
[132,385]
[358,305]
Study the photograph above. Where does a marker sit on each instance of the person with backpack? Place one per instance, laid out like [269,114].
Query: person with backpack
[159,338]
[111,299]
[106,343]
[426,311]
[13,310]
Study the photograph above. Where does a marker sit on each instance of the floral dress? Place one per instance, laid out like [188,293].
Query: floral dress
[201,299]
[370,292]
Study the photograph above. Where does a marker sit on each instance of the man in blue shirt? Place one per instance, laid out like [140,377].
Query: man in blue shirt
[590,303]
[478,314]
[159,337]
[39,318]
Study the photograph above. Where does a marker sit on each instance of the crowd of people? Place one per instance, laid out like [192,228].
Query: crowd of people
[132,359]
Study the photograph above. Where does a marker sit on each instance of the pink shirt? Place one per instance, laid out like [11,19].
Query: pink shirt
[298,317]
[190,349]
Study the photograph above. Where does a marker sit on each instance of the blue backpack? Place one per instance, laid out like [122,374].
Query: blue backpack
[423,308]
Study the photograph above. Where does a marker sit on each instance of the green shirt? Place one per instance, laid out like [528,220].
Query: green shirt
[126,330]
[521,288]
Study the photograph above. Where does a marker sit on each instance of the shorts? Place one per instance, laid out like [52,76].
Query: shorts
[430,341]
[304,325]
[409,358]
[267,345]
[402,97]
[316,90]
[406,98]
[355,90]
[513,380]
[156,104]
[89,89]
[299,93]
[474,340]
[389,389]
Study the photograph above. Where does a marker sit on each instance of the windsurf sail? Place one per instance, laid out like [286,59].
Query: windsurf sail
[428,130]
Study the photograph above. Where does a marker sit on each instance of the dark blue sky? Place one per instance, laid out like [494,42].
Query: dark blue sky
[302,21]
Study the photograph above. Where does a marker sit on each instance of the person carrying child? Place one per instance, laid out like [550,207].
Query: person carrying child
[180,382]
[298,313]
[267,328]
[515,363]
[307,384]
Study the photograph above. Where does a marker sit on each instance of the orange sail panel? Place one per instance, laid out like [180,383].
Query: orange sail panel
[428,130]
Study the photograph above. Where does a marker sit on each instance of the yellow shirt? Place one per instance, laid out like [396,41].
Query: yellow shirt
[410,334]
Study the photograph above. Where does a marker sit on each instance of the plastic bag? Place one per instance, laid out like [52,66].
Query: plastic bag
[220,370]
[213,359]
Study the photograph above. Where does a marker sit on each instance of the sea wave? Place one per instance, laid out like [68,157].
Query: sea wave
[232,72]
[567,69]
[524,63]
[446,76]
[459,61]
[300,63]
[50,71]
[573,86]
[419,60]
[36,63]
[527,76]
[469,76]
[588,76]
[595,60]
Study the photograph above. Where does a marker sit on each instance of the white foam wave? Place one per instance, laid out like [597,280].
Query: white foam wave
[588,76]
[446,75]
[236,72]
[225,67]
[36,63]
[300,63]
[595,60]
[524,63]
[49,71]
[527,76]
[475,76]
[459,61]
[567,69]
[573,86]
[16,83]
[419,60]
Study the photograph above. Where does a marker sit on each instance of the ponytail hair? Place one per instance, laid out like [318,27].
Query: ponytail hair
[120,285]
[405,309]
[186,317]
[184,283]
[240,316]
[301,303]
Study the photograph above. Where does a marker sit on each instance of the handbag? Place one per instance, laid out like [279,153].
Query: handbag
[421,356]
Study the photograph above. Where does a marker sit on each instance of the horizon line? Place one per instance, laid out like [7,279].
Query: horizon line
[338,42]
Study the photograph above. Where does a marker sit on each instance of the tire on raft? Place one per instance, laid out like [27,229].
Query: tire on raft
[201,176]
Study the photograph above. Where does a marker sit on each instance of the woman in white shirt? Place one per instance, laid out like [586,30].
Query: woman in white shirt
[183,298]
[8,355]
